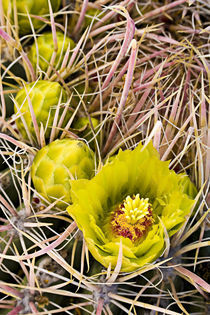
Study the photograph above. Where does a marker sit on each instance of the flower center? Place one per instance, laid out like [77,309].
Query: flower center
[132,218]
[135,208]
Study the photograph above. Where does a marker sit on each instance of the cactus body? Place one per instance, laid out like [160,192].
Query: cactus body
[58,163]
[38,8]
[90,16]
[80,92]
[45,46]
[44,96]
[82,124]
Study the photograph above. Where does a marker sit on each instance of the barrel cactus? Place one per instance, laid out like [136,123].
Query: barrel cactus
[45,45]
[45,97]
[56,164]
[38,8]
[103,224]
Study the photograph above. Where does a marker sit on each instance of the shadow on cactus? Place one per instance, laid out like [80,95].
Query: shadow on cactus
[135,199]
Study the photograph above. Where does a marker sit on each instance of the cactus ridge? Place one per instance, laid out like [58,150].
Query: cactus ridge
[35,7]
[58,163]
[46,46]
[44,96]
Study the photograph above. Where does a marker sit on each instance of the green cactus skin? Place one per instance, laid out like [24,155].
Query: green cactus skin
[82,122]
[35,7]
[44,97]
[80,89]
[90,15]
[58,163]
[45,46]
[84,129]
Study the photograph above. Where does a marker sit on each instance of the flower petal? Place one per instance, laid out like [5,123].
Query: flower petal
[130,173]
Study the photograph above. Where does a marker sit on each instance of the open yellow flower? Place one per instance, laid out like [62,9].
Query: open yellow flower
[131,199]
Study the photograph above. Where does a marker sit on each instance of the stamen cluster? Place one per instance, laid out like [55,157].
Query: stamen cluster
[132,218]
[135,208]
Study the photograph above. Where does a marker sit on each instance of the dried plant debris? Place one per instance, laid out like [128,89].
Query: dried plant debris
[104,157]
